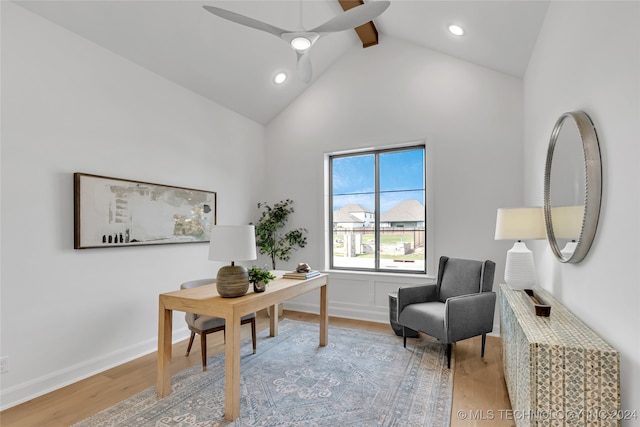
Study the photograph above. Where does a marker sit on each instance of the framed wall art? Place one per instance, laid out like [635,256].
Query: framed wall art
[111,212]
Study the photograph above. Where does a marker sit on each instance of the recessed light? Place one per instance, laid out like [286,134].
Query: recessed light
[456,30]
[280,78]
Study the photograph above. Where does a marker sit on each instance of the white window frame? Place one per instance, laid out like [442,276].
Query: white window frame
[429,200]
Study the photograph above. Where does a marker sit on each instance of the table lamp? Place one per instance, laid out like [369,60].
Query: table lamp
[232,243]
[520,224]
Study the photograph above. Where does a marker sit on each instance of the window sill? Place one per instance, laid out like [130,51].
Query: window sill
[380,274]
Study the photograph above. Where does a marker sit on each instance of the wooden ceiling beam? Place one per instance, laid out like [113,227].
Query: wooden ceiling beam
[367,32]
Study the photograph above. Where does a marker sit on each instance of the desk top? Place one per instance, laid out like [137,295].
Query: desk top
[206,300]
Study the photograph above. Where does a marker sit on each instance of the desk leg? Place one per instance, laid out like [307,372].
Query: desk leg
[165,319]
[232,368]
[324,317]
[273,322]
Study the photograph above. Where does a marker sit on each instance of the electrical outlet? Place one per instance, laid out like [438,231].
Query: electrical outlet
[4,364]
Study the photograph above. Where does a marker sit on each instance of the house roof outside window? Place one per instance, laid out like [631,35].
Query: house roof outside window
[406,212]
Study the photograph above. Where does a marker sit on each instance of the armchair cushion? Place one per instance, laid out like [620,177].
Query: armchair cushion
[427,317]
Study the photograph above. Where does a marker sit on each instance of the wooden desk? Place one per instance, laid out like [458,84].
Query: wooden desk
[205,300]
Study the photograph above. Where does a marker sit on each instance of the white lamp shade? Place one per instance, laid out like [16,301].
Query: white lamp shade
[567,221]
[232,243]
[520,224]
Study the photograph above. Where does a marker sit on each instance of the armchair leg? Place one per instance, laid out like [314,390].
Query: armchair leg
[193,335]
[484,341]
[449,355]
[404,336]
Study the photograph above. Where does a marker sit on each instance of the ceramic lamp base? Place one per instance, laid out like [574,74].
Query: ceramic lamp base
[232,281]
[519,271]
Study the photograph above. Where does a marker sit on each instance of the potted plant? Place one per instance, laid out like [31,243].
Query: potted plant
[260,277]
[271,239]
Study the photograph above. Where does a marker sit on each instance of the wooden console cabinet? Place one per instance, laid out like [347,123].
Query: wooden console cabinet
[558,371]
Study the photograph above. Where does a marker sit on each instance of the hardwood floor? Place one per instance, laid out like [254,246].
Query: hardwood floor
[479,392]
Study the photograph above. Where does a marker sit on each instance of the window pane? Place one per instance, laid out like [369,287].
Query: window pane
[352,175]
[402,219]
[353,197]
[402,170]
[402,231]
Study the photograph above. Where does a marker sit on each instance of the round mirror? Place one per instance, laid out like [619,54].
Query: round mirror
[572,186]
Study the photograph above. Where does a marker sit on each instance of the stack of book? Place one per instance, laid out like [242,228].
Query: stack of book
[300,276]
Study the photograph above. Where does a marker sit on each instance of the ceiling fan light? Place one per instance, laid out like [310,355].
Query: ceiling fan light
[301,43]
[456,30]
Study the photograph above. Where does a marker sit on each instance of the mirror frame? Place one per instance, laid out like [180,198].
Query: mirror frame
[593,186]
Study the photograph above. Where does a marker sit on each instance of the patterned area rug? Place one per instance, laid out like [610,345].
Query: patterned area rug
[359,379]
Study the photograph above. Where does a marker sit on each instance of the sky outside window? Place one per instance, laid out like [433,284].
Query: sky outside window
[401,178]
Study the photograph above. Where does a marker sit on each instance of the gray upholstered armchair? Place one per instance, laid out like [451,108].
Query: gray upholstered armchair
[458,306]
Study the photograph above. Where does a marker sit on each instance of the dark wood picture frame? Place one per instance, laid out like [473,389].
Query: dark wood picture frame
[113,212]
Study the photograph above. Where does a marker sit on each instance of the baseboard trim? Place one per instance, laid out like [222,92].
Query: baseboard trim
[37,387]
[343,310]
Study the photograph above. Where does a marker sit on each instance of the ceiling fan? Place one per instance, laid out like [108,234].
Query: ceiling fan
[302,40]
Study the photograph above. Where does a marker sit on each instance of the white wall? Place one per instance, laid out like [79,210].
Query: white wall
[70,106]
[395,92]
[588,57]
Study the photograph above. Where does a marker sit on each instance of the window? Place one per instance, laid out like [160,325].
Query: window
[377,210]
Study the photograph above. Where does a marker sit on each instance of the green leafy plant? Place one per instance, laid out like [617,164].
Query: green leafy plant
[260,275]
[270,236]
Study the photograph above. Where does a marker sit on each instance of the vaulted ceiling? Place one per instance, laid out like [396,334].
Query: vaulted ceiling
[234,65]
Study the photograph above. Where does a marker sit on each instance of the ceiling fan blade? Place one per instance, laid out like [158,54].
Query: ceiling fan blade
[304,66]
[353,17]
[245,20]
